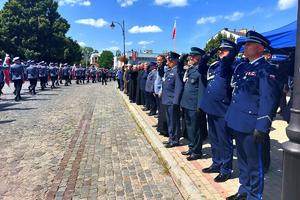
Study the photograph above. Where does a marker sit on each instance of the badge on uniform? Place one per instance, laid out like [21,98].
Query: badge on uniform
[250,74]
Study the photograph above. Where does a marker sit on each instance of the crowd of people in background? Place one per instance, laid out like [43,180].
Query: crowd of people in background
[17,71]
[235,97]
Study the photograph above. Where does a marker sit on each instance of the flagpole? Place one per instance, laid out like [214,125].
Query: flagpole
[175,44]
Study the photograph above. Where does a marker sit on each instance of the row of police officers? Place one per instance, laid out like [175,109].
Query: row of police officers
[236,99]
[18,72]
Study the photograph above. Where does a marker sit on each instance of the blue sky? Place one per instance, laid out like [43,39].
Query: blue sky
[149,23]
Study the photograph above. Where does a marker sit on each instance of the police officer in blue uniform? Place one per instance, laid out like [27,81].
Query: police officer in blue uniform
[53,71]
[17,76]
[254,100]
[195,119]
[215,101]
[78,74]
[32,75]
[171,94]
[83,72]
[93,72]
[56,68]
[66,73]
[43,75]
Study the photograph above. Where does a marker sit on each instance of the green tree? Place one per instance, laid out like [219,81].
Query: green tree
[86,53]
[33,29]
[106,59]
[72,52]
[214,43]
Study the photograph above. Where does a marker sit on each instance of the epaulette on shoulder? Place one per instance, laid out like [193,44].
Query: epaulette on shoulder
[213,63]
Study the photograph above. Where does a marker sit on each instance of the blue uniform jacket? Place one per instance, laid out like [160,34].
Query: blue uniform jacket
[17,72]
[150,81]
[32,72]
[2,73]
[143,81]
[77,72]
[255,97]
[217,95]
[43,71]
[193,88]
[172,87]
[66,71]
[53,71]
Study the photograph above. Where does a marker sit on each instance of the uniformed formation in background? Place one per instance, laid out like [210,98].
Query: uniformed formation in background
[234,98]
[17,72]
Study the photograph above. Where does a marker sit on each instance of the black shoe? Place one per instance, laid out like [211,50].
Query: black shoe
[151,114]
[194,157]
[211,169]
[222,178]
[145,109]
[186,153]
[155,125]
[170,145]
[237,196]
[165,142]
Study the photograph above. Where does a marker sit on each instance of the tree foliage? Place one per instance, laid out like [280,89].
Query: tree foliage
[33,29]
[106,59]
[86,53]
[214,43]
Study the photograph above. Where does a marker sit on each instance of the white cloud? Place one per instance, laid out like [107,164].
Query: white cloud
[74,2]
[171,3]
[145,29]
[204,20]
[235,16]
[286,4]
[114,48]
[129,43]
[145,42]
[114,42]
[126,3]
[82,44]
[256,11]
[93,22]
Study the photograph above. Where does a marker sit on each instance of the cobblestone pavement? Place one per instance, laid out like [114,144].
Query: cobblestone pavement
[76,142]
[205,182]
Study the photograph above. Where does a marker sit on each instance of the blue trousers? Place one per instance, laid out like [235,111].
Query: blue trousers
[173,121]
[250,165]
[221,144]
[196,129]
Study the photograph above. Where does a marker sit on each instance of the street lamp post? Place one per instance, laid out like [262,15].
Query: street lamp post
[291,156]
[122,25]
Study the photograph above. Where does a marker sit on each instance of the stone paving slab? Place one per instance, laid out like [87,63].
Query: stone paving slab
[203,184]
[77,142]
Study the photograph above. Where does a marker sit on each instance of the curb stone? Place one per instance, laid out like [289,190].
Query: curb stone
[182,180]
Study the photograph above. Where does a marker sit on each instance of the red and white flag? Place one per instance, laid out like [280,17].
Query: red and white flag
[174,31]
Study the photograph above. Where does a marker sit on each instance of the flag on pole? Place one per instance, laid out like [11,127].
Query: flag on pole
[174,31]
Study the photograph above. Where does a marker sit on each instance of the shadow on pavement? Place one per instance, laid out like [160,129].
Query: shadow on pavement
[6,121]
[17,109]
[5,105]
